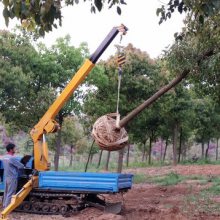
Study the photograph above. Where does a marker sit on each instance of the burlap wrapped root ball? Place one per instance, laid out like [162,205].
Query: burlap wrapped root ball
[107,136]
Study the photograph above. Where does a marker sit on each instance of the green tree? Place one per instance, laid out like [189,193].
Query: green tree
[177,113]
[197,10]
[196,49]
[72,132]
[21,87]
[205,122]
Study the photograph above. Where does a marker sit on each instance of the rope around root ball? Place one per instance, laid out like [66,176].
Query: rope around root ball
[107,136]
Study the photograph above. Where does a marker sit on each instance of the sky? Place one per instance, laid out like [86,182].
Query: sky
[139,16]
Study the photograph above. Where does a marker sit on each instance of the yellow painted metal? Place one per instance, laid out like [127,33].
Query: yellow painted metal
[19,197]
[51,126]
[47,124]
[41,157]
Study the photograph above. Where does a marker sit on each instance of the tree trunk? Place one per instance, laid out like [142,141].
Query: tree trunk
[128,154]
[216,156]
[203,149]
[120,160]
[100,158]
[107,160]
[165,150]
[184,150]
[57,152]
[149,152]
[91,158]
[207,151]
[161,151]
[175,137]
[144,152]
[71,155]
[58,143]
[180,145]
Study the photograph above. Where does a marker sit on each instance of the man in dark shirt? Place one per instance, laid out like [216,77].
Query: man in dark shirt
[11,169]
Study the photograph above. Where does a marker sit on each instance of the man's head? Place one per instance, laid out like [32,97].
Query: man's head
[10,148]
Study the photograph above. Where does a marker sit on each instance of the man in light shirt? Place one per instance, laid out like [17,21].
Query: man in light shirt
[11,169]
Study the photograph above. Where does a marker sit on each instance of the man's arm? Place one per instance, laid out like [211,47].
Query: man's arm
[16,163]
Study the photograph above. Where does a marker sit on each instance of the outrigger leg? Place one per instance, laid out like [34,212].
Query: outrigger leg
[19,197]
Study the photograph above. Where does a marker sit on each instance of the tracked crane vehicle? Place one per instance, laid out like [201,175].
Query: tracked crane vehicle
[43,191]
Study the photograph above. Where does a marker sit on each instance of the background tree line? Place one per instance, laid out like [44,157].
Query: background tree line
[33,76]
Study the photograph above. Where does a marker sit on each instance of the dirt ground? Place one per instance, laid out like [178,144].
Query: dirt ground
[154,202]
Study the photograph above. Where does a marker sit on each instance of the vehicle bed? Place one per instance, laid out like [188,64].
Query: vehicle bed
[85,182]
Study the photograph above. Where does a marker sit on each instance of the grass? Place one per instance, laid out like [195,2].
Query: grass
[214,189]
[195,203]
[140,178]
[203,201]
[80,165]
[170,179]
[200,203]
[139,164]
[202,180]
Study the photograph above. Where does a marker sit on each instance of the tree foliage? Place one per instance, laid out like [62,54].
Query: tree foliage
[198,10]
[21,87]
[44,15]
[32,79]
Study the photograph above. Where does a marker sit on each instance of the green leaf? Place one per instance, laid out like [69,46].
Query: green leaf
[168,15]
[93,9]
[6,15]
[17,9]
[159,10]
[123,2]
[12,15]
[98,4]
[6,3]
[201,19]
[216,4]
[118,10]
[24,9]
[176,3]
[180,7]
[41,32]
[205,9]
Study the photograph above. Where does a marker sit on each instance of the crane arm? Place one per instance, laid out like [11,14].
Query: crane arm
[47,124]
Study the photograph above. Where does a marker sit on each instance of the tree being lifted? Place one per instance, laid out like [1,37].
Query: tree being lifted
[110,136]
